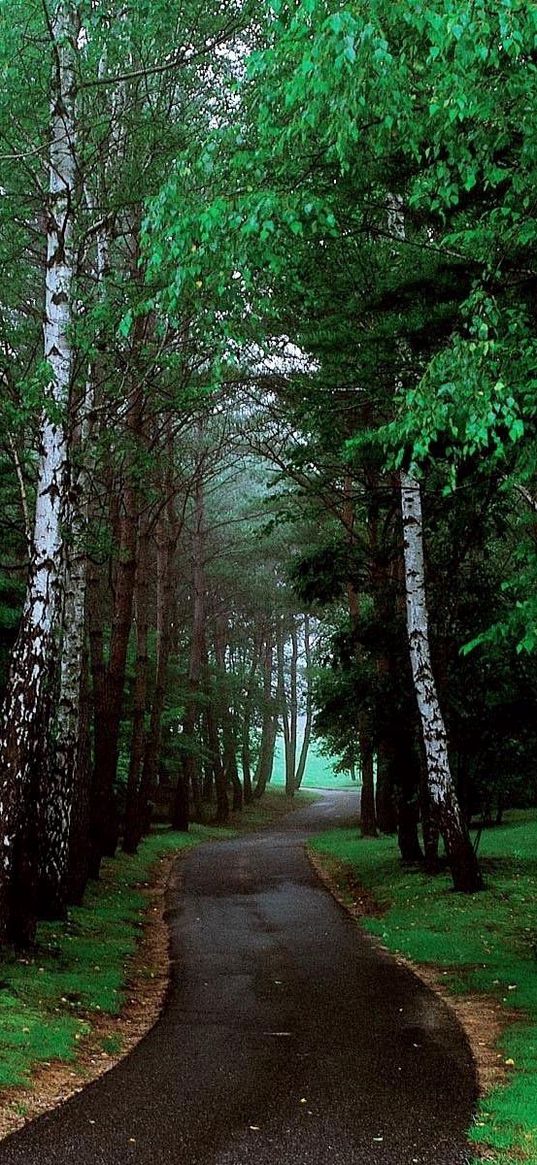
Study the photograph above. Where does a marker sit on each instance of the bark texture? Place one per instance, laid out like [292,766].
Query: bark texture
[460,852]
[27,707]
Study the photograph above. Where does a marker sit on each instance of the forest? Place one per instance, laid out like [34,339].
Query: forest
[287,356]
[268,424]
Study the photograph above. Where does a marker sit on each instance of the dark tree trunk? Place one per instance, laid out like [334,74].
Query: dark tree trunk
[220,781]
[365,743]
[407,776]
[407,828]
[133,827]
[227,718]
[269,726]
[246,753]
[109,681]
[368,821]
[306,740]
[79,845]
[180,809]
[108,693]
[384,798]
[168,532]
[246,765]
[189,778]
[429,827]
[287,708]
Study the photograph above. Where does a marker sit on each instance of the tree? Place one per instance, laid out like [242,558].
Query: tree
[28,703]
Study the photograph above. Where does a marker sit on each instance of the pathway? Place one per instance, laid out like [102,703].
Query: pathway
[289,1038]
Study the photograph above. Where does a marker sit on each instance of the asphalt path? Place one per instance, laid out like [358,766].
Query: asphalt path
[288,1037]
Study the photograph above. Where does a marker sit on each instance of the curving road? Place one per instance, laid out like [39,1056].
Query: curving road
[288,1039]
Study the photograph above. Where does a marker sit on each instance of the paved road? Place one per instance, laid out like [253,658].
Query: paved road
[288,1039]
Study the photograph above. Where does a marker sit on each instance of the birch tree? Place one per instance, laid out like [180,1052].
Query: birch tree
[27,707]
[460,852]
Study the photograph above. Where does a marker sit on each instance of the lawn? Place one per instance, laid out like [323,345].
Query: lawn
[320,772]
[487,943]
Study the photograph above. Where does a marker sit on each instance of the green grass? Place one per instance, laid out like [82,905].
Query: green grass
[271,808]
[320,772]
[80,967]
[485,943]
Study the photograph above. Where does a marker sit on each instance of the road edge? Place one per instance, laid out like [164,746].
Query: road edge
[52,1084]
[482,1019]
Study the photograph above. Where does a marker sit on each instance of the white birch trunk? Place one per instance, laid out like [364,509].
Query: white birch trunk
[441,788]
[65,772]
[26,711]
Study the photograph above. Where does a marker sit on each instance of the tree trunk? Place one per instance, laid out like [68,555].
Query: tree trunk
[368,821]
[384,796]
[79,842]
[220,781]
[290,782]
[189,778]
[26,712]
[133,826]
[429,826]
[167,539]
[407,827]
[246,757]
[109,693]
[62,774]
[269,728]
[306,739]
[286,712]
[227,720]
[460,852]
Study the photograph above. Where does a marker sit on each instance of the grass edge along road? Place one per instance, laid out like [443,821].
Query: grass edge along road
[62,1007]
[485,943]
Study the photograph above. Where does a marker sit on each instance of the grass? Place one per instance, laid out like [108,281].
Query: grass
[271,808]
[80,968]
[320,772]
[485,943]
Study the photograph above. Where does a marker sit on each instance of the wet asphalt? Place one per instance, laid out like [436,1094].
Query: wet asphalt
[289,1038]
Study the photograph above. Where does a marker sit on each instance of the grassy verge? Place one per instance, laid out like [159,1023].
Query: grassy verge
[486,943]
[79,973]
[273,806]
[80,967]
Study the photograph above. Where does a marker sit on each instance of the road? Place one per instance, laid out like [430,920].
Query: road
[289,1038]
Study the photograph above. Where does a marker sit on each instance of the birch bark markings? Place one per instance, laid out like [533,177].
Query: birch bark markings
[68,771]
[460,852]
[27,707]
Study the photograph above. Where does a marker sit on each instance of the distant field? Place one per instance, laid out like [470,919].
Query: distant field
[319,771]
